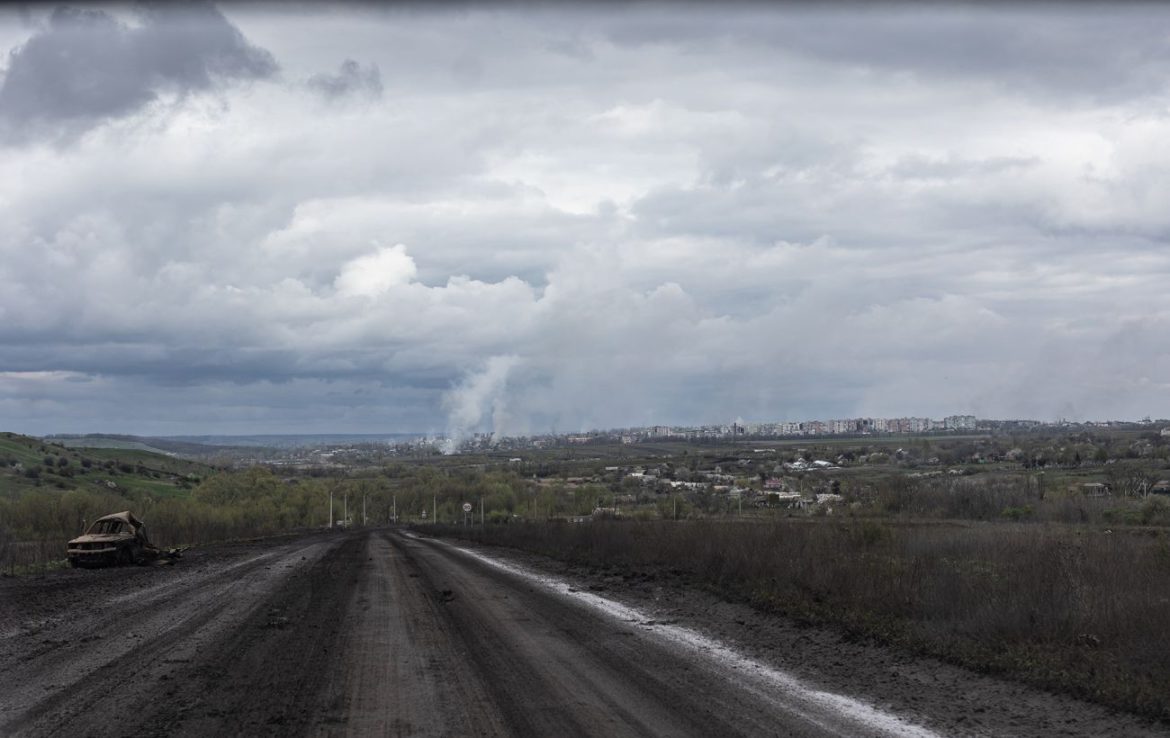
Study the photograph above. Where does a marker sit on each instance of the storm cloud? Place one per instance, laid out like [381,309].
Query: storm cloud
[581,217]
[85,66]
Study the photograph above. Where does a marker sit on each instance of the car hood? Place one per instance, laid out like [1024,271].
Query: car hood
[101,538]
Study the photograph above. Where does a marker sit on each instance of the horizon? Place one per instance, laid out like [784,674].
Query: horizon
[248,219]
[615,429]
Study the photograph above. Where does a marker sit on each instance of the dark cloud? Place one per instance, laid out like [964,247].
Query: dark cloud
[350,79]
[1107,52]
[85,67]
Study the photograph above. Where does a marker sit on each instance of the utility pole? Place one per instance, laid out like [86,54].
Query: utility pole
[396,509]
[434,508]
[330,508]
[363,509]
[345,508]
[481,512]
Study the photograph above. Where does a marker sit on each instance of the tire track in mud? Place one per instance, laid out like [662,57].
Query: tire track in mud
[352,645]
[95,669]
[379,632]
[265,674]
[405,671]
[557,666]
[537,689]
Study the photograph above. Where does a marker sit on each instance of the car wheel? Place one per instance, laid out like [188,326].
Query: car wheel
[73,563]
[125,557]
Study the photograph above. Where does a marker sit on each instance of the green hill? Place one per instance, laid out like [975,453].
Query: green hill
[28,463]
[105,442]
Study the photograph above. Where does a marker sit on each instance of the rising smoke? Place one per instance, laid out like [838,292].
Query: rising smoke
[478,400]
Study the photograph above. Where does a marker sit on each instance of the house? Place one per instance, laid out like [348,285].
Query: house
[790,500]
[1095,489]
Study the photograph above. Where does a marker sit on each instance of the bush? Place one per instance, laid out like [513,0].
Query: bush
[1155,510]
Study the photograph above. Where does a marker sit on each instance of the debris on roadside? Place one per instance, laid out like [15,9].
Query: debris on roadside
[118,540]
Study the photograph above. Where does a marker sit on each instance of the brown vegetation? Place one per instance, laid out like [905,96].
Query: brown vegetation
[35,526]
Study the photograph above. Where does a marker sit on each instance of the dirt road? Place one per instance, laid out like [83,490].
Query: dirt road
[385,633]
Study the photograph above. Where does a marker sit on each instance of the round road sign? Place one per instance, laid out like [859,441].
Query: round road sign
[466,507]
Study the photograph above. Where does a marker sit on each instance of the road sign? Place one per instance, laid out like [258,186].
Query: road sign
[466,507]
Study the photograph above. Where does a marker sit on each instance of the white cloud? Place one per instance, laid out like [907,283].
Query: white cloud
[373,274]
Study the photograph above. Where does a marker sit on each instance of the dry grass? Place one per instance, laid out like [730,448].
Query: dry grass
[1077,610]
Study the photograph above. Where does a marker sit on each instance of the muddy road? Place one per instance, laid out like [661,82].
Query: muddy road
[384,633]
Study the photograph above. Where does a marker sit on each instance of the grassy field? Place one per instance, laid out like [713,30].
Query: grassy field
[28,463]
[149,459]
[116,444]
[21,448]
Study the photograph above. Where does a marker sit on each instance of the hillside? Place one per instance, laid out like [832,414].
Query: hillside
[29,463]
[167,446]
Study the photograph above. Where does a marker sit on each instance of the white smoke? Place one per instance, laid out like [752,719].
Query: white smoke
[480,398]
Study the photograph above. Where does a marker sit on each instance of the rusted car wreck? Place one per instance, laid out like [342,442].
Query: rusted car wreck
[117,540]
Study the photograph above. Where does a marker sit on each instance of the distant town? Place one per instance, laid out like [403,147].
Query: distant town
[714,435]
[786,429]
[349,449]
[731,432]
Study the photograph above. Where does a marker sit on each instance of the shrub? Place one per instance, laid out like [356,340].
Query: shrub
[1155,510]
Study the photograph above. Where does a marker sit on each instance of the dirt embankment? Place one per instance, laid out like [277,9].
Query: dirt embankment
[377,632]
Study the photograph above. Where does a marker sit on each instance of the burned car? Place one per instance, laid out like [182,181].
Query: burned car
[116,540]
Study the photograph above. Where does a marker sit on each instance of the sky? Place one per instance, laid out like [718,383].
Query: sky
[528,218]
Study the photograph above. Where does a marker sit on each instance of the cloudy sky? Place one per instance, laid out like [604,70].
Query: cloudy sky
[264,218]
